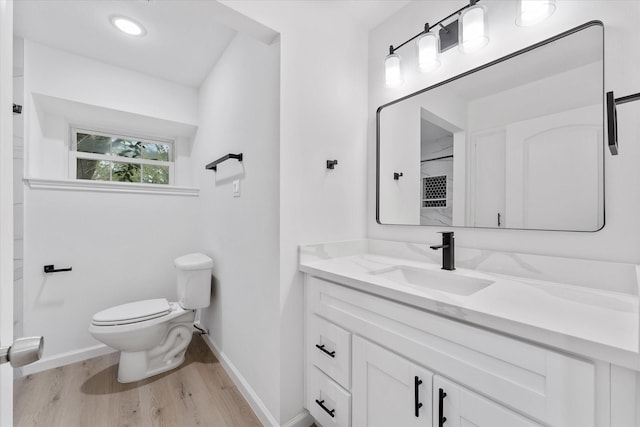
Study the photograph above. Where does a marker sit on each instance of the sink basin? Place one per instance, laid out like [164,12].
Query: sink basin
[443,281]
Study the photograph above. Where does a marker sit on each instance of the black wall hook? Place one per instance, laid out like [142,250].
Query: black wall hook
[331,164]
[397,175]
[51,269]
[17,109]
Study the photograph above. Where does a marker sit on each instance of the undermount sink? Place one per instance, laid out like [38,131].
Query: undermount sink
[443,281]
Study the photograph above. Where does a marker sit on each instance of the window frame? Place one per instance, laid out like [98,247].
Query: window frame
[74,155]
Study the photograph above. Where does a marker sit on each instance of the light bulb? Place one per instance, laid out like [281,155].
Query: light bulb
[473,34]
[127,26]
[531,12]
[428,52]
[392,70]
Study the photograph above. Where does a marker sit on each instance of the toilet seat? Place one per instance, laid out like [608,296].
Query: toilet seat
[133,312]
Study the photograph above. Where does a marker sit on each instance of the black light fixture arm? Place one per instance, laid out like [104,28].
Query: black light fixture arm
[428,27]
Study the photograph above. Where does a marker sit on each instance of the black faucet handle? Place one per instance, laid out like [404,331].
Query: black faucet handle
[448,250]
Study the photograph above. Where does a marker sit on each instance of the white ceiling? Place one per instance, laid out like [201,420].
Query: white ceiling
[184,40]
[371,13]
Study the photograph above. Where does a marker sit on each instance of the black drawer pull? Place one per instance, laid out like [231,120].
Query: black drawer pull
[330,353]
[416,384]
[330,412]
[441,418]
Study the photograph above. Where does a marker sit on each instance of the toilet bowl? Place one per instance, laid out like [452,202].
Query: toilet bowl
[153,335]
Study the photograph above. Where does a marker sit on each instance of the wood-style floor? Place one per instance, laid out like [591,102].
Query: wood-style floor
[87,394]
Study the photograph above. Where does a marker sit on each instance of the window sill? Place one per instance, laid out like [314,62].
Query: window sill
[110,187]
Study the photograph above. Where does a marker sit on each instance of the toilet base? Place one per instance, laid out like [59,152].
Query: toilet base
[139,365]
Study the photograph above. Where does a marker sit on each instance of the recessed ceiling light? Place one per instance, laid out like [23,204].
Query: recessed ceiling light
[128,26]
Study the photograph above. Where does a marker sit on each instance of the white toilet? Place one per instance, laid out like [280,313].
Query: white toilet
[153,335]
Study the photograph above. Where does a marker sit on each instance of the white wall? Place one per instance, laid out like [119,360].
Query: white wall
[6,208]
[322,116]
[65,75]
[622,65]
[18,189]
[121,246]
[239,112]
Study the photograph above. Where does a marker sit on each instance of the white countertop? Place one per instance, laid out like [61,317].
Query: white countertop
[593,323]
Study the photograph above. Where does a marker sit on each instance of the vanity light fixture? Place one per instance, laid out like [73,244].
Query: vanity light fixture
[428,46]
[531,12]
[469,32]
[127,26]
[392,69]
[473,29]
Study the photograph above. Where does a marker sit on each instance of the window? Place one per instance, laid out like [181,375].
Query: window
[100,156]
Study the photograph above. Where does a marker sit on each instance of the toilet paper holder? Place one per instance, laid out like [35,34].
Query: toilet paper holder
[51,269]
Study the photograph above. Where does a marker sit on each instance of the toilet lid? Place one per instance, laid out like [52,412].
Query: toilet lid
[132,312]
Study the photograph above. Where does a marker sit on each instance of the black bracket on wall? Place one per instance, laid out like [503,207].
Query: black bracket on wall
[331,164]
[214,165]
[17,109]
[397,175]
[612,118]
[51,269]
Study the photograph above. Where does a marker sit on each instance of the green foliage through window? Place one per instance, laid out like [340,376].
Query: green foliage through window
[98,155]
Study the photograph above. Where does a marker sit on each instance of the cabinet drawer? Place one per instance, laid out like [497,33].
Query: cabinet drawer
[328,403]
[329,348]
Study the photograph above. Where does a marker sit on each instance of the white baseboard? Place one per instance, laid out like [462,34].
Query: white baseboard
[64,359]
[303,419]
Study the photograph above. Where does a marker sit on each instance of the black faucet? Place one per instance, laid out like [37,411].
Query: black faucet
[448,250]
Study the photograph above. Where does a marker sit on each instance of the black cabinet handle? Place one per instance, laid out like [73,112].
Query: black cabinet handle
[330,353]
[441,419]
[330,412]
[416,384]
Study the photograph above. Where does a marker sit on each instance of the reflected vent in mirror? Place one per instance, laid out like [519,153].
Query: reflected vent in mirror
[434,190]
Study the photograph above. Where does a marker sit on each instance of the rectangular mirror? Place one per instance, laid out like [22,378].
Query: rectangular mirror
[517,143]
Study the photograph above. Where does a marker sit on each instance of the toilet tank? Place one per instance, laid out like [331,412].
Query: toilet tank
[194,280]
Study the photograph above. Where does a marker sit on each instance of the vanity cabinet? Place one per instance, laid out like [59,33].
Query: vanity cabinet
[364,352]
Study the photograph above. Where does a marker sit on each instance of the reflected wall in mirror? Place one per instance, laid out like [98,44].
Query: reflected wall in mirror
[517,143]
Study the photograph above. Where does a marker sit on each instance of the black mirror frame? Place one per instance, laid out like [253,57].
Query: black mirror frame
[612,118]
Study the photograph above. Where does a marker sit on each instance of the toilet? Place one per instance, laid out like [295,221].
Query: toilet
[153,335]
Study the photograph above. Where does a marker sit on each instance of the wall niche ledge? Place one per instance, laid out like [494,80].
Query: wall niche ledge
[110,187]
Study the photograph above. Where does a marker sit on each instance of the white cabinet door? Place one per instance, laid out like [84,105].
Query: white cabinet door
[455,406]
[388,390]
